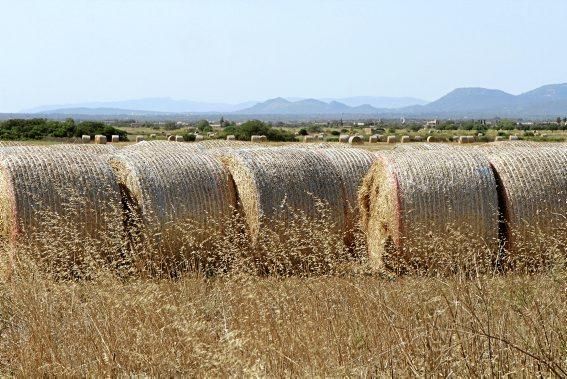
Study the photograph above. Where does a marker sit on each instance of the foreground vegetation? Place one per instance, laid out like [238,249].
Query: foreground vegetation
[353,324]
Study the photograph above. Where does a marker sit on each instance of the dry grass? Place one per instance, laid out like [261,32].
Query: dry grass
[239,325]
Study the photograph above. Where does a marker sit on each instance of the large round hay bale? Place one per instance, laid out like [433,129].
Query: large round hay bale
[391,139]
[533,192]
[115,138]
[405,139]
[162,145]
[217,143]
[352,165]
[231,137]
[422,146]
[309,139]
[179,200]
[87,148]
[277,185]
[63,206]
[430,210]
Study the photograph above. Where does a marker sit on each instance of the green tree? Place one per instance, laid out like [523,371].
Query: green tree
[203,126]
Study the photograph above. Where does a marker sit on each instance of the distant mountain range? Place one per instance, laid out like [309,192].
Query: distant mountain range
[544,102]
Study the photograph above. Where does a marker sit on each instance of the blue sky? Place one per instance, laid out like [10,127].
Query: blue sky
[66,51]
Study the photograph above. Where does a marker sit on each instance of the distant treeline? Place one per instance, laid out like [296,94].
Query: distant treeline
[40,128]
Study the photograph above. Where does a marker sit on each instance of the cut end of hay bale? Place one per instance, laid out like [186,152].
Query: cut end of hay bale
[115,138]
[421,208]
[179,139]
[391,139]
[343,138]
[355,140]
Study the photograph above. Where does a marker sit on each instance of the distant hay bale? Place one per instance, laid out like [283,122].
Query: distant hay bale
[391,139]
[85,138]
[256,139]
[430,210]
[179,139]
[231,137]
[179,198]
[405,139]
[343,138]
[373,139]
[115,138]
[274,185]
[171,138]
[140,138]
[417,138]
[513,138]
[263,138]
[100,139]
[355,140]
[308,139]
[64,205]
[498,139]
[533,190]
[431,139]
[199,137]
[466,139]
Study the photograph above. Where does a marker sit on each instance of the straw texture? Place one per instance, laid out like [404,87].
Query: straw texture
[87,148]
[274,184]
[352,165]
[422,146]
[533,190]
[65,196]
[416,205]
[178,199]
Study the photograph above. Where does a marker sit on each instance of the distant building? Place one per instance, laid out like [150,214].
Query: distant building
[432,123]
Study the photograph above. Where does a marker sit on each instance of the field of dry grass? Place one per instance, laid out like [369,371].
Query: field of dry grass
[355,323]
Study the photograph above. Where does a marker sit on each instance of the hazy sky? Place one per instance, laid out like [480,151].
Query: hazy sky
[70,51]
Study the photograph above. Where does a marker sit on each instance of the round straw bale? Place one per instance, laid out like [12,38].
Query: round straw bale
[422,146]
[199,137]
[90,148]
[217,143]
[344,138]
[373,139]
[391,139]
[355,140]
[100,139]
[171,138]
[115,138]
[513,138]
[256,139]
[231,137]
[431,139]
[180,198]
[405,139]
[418,138]
[430,210]
[160,145]
[85,138]
[319,145]
[498,139]
[533,198]
[64,205]
[179,139]
[308,139]
[274,185]
[352,165]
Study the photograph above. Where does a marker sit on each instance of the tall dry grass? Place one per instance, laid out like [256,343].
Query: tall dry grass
[227,309]
[241,324]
